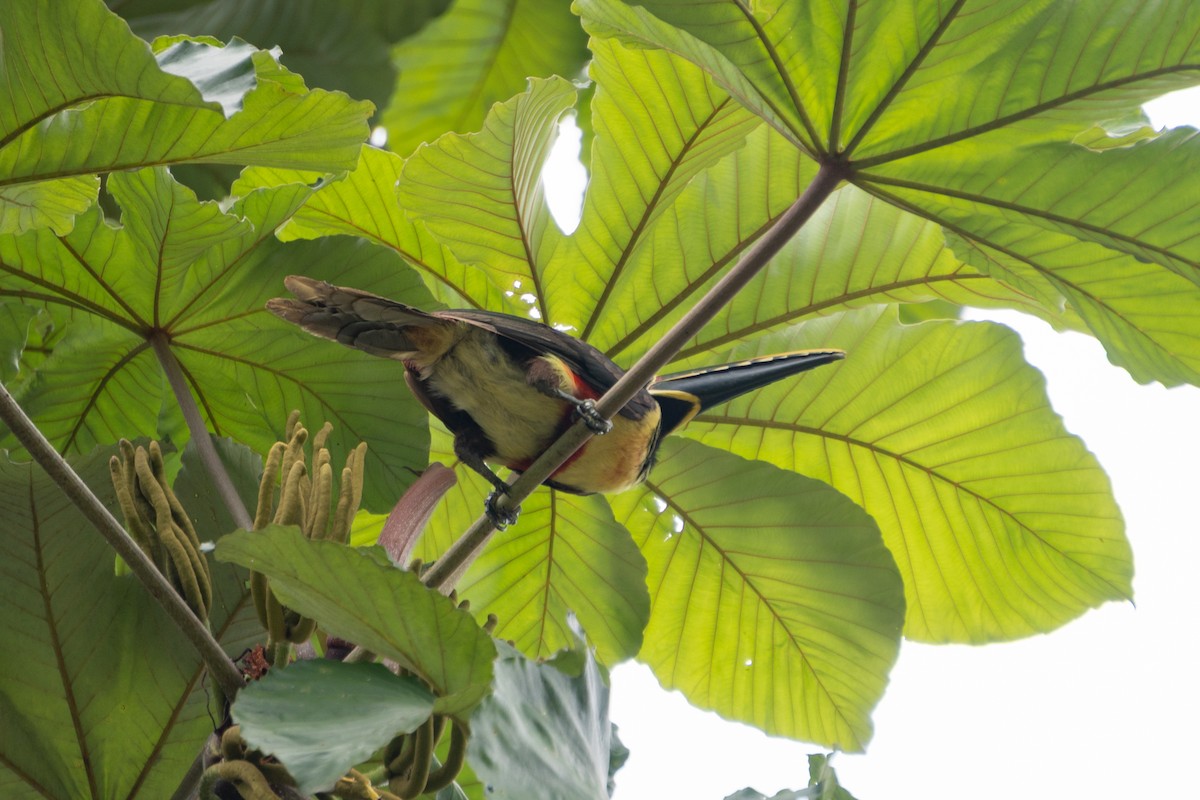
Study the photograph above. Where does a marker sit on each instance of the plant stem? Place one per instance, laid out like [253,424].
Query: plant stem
[449,568]
[199,432]
[189,786]
[224,670]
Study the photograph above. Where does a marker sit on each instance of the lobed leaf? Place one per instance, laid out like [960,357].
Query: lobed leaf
[100,694]
[1011,124]
[773,598]
[478,53]
[856,251]
[199,277]
[81,94]
[1002,523]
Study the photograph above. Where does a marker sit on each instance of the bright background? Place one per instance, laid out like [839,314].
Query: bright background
[1104,707]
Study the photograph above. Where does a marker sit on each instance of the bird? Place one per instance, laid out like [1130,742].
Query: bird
[506,386]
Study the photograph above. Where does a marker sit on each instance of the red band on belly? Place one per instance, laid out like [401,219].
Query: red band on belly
[582,388]
[521,466]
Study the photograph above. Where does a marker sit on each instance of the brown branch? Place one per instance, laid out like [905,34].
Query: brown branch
[222,668]
[449,568]
[199,432]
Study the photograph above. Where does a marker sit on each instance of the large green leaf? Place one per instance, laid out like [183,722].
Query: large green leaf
[565,555]
[774,600]
[345,46]
[364,204]
[81,94]
[836,263]
[1096,226]
[841,76]
[349,712]
[358,595]
[15,319]
[100,694]
[478,53]
[983,117]
[543,733]
[1147,318]
[481,193]
[199,278]
[857,250]
[659,122]
[1002,523]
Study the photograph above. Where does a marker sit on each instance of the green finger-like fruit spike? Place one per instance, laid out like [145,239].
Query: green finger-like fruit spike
[266,486]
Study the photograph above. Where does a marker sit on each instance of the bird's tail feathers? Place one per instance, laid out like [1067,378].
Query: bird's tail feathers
[357,319]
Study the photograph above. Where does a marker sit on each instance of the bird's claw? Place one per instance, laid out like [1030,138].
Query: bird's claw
[586,410]
[501,518]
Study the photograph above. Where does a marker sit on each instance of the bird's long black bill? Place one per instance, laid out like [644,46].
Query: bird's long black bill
[682,395]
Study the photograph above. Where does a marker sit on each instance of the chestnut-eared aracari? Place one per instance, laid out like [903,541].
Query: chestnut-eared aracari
[507,387]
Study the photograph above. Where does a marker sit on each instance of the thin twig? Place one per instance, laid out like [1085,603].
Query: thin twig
[199,433]
[449,568]
[222,668]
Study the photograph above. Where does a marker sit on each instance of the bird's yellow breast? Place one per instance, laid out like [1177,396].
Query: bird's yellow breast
[478,377]
[613,462]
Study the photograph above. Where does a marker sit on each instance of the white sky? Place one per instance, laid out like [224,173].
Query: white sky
[1104,707]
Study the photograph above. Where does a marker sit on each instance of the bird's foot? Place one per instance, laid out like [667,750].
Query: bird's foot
[586,410]
[501,518]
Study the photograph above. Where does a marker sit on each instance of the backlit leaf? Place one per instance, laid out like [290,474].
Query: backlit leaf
[199,277]
[100,694]
[481,193]
[983,117]
[478,53]
[81,94]
[565,555]
[773,598]
[364,204]
[1002,523]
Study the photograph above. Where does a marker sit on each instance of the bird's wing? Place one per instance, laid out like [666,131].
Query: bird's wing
[596,369]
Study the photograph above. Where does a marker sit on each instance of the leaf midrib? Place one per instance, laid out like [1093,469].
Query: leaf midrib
[904,78]
[1005,205]
[1051,275]
[878,451]
[799,649]
[56,645]
[785,76]
[648,211]
[1018,116]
